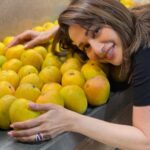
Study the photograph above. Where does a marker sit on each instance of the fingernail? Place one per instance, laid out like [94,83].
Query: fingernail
[12,126]
[31,104]
[25,46]
[10,134]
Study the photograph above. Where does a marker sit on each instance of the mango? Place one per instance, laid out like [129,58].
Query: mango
[3,59]
[51,60]
[73,77]
[27,91]
[6,88]
[41,50]
[90,70]
[50,74]
[12,64]
[97,90]
[31,57]
[74,98]
[51,86]
[20,111]
[5,103]
[15,52]
[52,96]
[103,66]
[34,79]
[10,76]
[26,70]
[71,63]
[2,48]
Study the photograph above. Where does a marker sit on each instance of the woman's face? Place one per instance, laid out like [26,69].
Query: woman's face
[105,47]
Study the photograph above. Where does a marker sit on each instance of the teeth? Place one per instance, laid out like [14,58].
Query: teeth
[110,53]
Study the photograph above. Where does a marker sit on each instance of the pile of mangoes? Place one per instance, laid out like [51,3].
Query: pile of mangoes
[37,75]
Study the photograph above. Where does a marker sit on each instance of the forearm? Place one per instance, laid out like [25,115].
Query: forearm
[121,136]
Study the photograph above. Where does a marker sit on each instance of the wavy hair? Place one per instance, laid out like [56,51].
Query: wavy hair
[132,26]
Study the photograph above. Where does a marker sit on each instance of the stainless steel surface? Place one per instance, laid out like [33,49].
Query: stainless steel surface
[18,15]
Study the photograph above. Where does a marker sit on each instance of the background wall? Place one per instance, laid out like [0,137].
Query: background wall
[18,15]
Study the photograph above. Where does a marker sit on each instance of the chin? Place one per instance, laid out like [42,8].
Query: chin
[116,62]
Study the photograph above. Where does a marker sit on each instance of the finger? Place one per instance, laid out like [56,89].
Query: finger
[28,139]
[42,107]
[18,39]
[26,132]
[31,43]
[33,138]
[27,124]
[14,42]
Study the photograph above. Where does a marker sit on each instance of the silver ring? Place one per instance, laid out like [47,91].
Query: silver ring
[39,137]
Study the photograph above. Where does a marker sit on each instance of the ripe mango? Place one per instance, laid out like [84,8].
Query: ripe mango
[6,88]
[51,86]
[97,90]
[5,103]
[12,64]
[71,63]
[90,70]
[10,76]
[3,59]
[31,57]
[27,91]
[34,79]
[20,111]
[14,52]
[52,96]
[51,60]
[26,70]
[73,77]
[74,98]
[103,66]
[50,74]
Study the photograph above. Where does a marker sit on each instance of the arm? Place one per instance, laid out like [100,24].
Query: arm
[135,137]
[31,38]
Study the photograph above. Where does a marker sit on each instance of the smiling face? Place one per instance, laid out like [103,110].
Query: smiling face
[105,47]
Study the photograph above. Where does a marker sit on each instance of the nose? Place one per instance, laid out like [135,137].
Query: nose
[96,49]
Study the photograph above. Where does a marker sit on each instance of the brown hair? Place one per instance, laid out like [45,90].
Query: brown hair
[132,26]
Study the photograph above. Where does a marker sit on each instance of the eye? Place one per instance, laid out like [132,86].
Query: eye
[86,47]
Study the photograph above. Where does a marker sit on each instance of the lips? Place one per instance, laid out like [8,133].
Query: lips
[107,52]
[110,53]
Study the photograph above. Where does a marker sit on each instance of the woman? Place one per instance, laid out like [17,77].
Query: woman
[108,32]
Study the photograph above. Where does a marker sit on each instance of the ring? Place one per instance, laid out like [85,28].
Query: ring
[39,137]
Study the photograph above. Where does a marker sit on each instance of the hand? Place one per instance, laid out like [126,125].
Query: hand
[54,121]
[32,38]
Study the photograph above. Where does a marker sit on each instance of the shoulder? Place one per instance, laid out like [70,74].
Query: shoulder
[141,60]
[141,53]
[141,64]
[141,77]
